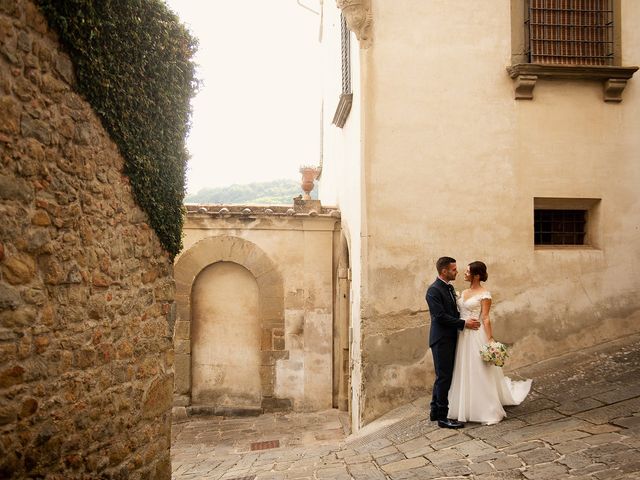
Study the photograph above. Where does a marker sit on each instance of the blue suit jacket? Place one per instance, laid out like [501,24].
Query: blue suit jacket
[445,317]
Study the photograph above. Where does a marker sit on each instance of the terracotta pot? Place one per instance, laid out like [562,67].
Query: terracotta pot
[309,174]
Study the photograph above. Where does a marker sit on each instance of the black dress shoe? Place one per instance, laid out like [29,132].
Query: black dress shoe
[447,423]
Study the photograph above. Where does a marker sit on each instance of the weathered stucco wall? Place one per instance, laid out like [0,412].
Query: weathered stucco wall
[342,181]
[86,364]
[291,258]
[452,164]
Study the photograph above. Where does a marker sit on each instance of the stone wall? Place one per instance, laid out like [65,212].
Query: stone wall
[289,253]
[86,290]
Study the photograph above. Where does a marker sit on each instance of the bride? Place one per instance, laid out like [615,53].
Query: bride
[478,389]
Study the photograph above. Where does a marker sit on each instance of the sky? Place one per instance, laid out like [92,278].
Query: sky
[257,114]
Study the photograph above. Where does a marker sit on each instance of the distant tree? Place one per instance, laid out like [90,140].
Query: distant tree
[258,193]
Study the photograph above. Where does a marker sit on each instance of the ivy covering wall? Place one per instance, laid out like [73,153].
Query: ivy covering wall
[133,64]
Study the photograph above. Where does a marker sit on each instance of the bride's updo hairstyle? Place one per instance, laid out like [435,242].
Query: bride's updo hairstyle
[478,268]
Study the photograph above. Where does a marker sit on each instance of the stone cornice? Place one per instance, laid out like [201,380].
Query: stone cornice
[614,78]
[357,14]
[229,211]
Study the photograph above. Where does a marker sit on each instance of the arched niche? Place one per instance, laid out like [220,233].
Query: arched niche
[271,310]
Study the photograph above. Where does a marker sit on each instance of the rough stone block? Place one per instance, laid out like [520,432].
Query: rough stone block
[182,347]
[182,330]
[181,400]
[10,111]
[272,307]
[159,397]
[182,369]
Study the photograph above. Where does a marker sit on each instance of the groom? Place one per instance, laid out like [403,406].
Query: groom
[443,337]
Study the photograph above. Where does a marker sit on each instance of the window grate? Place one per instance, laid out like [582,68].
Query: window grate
[560,227]
[573,32]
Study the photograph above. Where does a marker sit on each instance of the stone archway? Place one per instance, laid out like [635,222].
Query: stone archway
[271,311]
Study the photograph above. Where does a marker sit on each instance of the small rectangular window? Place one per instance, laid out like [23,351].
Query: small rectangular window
[560,227]
[566,222]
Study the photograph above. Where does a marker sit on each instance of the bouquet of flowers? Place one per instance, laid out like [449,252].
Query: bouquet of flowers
[495,353]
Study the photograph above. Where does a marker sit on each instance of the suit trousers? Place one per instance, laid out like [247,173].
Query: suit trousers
[444,354]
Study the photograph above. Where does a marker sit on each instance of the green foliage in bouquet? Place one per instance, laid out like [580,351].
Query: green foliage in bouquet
[133,64]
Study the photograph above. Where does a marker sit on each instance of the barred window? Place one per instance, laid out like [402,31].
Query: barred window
[345,47]
[346,97]
[560,227]
[570,32]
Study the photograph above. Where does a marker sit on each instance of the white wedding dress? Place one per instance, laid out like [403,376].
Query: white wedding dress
[478,389]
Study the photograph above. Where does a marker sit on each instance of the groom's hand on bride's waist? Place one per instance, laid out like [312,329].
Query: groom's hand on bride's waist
[472,323]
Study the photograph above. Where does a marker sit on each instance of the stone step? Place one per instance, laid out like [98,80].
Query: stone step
[224,411]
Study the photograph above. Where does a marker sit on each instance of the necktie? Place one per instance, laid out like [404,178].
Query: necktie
[452,293]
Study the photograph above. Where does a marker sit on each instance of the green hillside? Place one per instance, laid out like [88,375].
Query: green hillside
[261,193]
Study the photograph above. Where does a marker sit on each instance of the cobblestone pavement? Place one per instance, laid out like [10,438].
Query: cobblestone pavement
[581,421]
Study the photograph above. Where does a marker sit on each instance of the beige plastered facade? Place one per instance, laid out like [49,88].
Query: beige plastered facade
[438,158]
[256,296]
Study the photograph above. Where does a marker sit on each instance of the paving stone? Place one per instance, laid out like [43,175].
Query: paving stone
[572,407]
[374,445]
[561,437]
[406,464]
[497,442]
[507,463]
[457,467]
[611,412]
[489,456]
[494,431]
[628,422]
[625,392]
[546,471]
[415,448]
[611,474]
[441,433]
[334,473]
[418,429]
[603,428]
[589,470]
[570,446]
[576,460]
[444,456]
[365,471]
[530,406]
[450,441]
[480,468]
[346,453]
[541,416]
[539,455]
[384,451]
[412,445]
[422,473]
[362,458]
[536,431]
[504,475]
[603,438]
[523,447]
[474,448]
[394,457]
